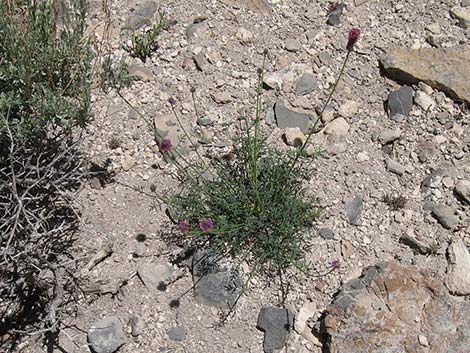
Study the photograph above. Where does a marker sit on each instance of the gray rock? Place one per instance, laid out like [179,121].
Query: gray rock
[326,233]
[433,181]
[445,216]
[396,304]
[141,16]
[154,275]
[106,336]
[276,324]
[289,118]
[415,244]
[458,269]
[270,116]
[204,121]
[354,209]
[388,136]
[395,167]
[426,151]
[201,62]
[465,3]
[137,325]
[462,190]
[293,45]
[462,15]
[140,72]
[306,84]
[334,19]
[400,101]
[216,283]
[444,69]
[177,334]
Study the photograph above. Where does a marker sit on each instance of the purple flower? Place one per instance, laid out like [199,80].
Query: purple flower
[165,145]
[335,264]
[172,102]
[183,226]
[206,225]
[353,37]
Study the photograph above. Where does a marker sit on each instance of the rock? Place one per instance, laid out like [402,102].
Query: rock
[294,137]
[433,181]
[445,216]
[389,307]
[201,62]
[395,167]
[444,69]
[434,28]
[348,109]
[424,101]
[276,324]
[137,326]
[426,151]
[413,243]
[270,116]
[362,157]
[354,209]
[127,163]
[462,190]
[400,101]
[293,45]
[326,233]
[289,118]
[387,136]
[222,97]
[360,2]
[216,283]
[141,16]
[308,310]
[306,84]
[465,3]
[458,268]
[262,7]
[154,275]
[462,15]
[328,115]
[244,36]
[334,18]
[140,72]
[177,334]
[106,336]
[336,128]
[346,248]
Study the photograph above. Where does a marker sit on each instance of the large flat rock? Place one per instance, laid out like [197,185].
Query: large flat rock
[393,308]
[445,69]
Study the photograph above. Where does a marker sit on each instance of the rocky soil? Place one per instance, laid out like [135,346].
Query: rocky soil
[393,179]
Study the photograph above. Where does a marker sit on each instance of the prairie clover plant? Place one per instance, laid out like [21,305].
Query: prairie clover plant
[251,203]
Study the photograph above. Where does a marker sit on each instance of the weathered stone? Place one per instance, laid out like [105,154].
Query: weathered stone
[216,283]
[462,15]
[326,233]
[444,69]
[424,101]
[141,16]
[140,72]
[201,62]
[389,307]
[360,2]
[289,118]
[412,242]
[293,45]
[262,7]
[244,35]
[458,269]
[107,335]
[137,325]
[400,101]
[154,275]
[462,190]
[336,128]
[177,334]
[348,109]
[127,163]
[354,210]
[306,84]
[445,216]
[294,137]
[388,136]
[307,311]
[395,167]
[276,324]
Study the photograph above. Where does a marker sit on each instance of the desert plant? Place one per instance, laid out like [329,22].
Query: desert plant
[143,44]
[114,75]
[45,82]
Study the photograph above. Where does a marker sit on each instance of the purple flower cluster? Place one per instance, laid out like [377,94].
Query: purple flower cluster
[165,145]
[353,37]
[206,225]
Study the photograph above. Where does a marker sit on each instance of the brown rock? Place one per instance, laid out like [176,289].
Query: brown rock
[445,69]
[458,271]
[390,308]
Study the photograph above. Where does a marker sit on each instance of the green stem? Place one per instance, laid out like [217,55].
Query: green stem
[312,130]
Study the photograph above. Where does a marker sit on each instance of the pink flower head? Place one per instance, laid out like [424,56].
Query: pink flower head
[206,225]
[165,145]
[353,37]
[183,226]
[172,102]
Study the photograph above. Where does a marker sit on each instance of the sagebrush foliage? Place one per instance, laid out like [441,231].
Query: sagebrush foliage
[45,68]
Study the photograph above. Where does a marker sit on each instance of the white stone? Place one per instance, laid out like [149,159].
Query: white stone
[423,340]
[244,36]
[307,311]
[337,127]
[424,101]
[294,137]
[458,269]
[349,109]
[362,157]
